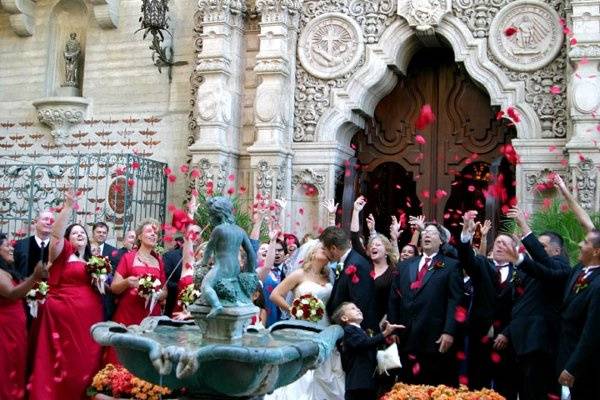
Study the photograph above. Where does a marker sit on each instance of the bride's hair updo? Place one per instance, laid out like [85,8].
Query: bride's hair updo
[309,256]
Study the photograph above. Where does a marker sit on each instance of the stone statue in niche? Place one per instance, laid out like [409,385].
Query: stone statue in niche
[72,55]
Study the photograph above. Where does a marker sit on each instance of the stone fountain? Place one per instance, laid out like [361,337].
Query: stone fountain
[216,357]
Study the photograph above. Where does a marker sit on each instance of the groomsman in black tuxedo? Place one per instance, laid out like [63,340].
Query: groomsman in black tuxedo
[424,298]
[490,360]
[99,235]
[579,339]
[29,251]
[354,282]
[535,321]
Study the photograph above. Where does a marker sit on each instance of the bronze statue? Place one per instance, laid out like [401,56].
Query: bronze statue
[72,55]
[224,281]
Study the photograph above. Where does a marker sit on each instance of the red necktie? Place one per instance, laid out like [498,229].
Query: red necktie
[421,274]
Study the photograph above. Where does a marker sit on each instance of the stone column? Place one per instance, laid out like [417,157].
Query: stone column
[584,96]
[270,154]
[218,99]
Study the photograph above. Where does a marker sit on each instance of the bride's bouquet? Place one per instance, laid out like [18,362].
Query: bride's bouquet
[149,288]
[37,296]
[188,296]
[308,308]
[99,267]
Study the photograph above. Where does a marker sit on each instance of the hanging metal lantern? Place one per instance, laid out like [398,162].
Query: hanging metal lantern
[154,21]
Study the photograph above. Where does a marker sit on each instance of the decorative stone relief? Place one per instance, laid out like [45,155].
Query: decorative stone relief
[281,179]
[309,177]
[221,10]
[312,94]
[586,96]
[195,78]
[536,177]
[214,172]
[538,39]
[60,114]
[585,50]
[214,106]
[106,13]
[585,181]
[423,14]
[21,14]
[477,14]
[330,45]
[264,178]
[277,10]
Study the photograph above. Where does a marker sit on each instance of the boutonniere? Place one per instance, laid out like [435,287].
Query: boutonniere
[351,271]
[439,264]
[580,284]
[339,267]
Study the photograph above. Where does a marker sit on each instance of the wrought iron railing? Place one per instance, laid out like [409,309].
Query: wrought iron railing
[119,189]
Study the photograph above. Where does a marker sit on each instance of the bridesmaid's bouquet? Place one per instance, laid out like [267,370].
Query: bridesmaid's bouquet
[307,308]
[99,267]
[188,296]
[37,296]
[149,288]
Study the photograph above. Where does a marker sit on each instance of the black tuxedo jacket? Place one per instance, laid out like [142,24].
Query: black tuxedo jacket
[359,357]
[112,253]
[580,315]
[171,260]
[361,293]
[430,310]
[535,316]
[27,254]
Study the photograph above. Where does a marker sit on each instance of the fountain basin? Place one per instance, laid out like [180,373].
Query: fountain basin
[175,354]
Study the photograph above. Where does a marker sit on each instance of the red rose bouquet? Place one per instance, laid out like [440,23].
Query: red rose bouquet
[188,296]
[98,267]
[117,382]
[37,296]
[308,308]
[149,288]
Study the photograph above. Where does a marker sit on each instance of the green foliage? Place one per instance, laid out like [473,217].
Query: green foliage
[554,219]
[241,213]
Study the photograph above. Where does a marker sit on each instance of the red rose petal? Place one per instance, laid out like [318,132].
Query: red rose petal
[184,169]
[425,118]
[496,358]
[420,139]
[554,89]
[511,30]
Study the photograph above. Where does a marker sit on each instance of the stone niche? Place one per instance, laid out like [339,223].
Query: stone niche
[63,105]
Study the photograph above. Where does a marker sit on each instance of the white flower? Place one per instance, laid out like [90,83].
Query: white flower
[156,283]
[299,314]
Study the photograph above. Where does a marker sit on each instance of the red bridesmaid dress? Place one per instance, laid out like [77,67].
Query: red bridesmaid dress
[181,285]
[131,307]
[66,357]
[13,348]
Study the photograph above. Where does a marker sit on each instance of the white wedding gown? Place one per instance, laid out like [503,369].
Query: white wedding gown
[327,381]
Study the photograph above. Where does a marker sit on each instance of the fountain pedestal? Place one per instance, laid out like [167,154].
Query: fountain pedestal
[228,326]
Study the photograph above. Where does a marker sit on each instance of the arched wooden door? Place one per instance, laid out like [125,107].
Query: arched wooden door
[465,131]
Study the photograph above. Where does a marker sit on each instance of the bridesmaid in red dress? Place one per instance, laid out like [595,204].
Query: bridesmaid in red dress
[66,357]
[13,323]
[187,272]
[131,307]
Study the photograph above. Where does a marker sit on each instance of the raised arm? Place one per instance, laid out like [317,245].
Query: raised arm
[57,241]
[8,291]
[263,271]
[580,213]
[395,232]
[468,261]
[331,207]
[485,228]
[418,224]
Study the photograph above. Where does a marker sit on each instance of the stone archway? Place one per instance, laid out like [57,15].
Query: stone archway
[398,43]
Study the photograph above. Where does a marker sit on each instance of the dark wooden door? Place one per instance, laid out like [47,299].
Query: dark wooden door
[465,129]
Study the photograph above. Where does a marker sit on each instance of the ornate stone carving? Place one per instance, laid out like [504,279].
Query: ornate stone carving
[222,11]
[195,78]
[214,172]
[312,95]
[586,96]
[21,15]
[214,105]
[330,45]
[264,178]
[585,181]
[423,13]
[538,39]
[309,177]
[277,10]
[60,114]
[477,14]
[281,181]
[585,50]
[535,177]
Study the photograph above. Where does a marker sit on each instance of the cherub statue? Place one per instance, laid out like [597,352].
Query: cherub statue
[225,242]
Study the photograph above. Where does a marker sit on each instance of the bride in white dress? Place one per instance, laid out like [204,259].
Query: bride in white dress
[326,382]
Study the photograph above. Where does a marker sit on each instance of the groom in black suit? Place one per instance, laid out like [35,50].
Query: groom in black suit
[424,298]
[354,282]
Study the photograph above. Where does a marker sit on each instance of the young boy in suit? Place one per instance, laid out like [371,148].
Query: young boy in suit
[359,352]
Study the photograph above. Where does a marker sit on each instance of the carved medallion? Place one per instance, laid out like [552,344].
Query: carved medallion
[537,40]
[330,45]
[423,13]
